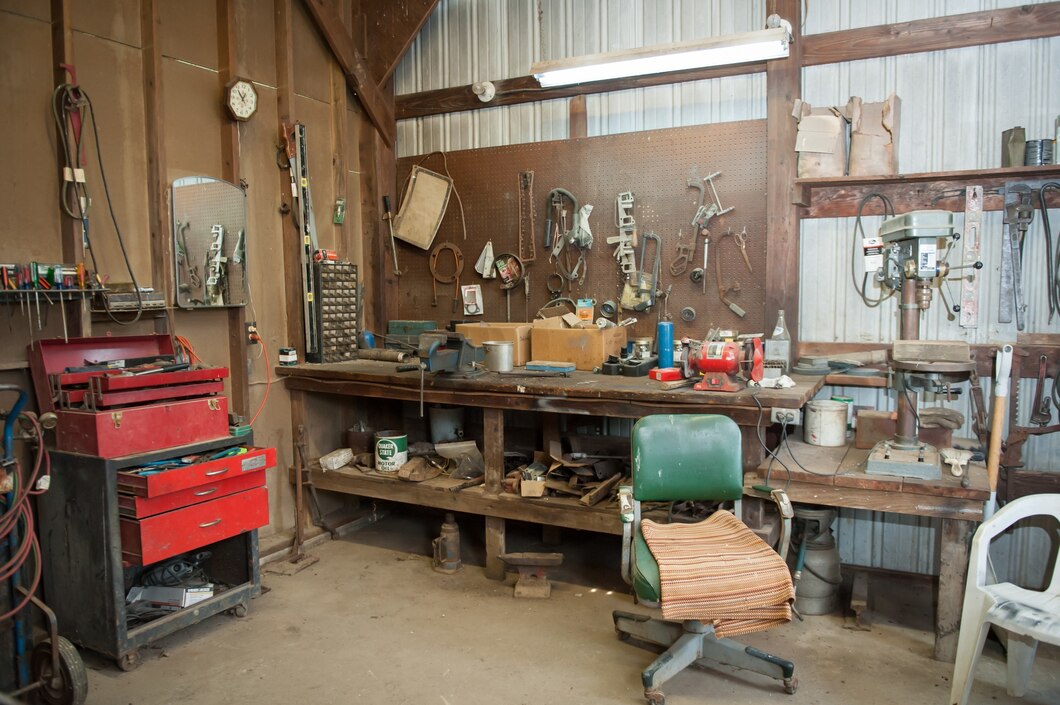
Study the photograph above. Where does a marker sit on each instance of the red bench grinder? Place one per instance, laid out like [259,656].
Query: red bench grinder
[725,366]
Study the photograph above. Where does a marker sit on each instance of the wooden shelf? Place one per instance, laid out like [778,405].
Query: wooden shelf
[838,197]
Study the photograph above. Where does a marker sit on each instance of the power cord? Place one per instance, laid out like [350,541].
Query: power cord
[67,101]
[859,236]
[761,442]
[268,373]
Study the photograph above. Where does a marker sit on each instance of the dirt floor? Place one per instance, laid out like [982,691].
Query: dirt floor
[372,623]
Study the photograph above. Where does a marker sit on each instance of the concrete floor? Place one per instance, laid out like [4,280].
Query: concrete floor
[372,624]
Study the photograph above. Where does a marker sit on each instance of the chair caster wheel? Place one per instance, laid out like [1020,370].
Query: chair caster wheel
[129,661]
[791,685]
[654,697]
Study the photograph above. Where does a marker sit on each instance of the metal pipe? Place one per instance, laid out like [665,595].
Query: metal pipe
[906,432]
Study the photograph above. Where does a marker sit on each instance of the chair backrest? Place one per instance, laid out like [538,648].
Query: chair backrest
[687,457]
[1014,511]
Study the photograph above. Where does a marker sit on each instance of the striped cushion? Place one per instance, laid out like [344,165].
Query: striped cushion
[719,571]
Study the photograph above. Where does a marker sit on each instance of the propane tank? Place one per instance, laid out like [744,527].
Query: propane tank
[447,547]
[817,567]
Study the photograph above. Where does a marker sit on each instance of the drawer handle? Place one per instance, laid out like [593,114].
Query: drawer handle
[208,524]
[206,492]
[222,471]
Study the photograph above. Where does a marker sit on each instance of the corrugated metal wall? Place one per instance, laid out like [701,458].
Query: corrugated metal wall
[954,106]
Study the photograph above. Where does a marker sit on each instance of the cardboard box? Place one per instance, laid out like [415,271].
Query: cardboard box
[517,333]
[587,348]
[821,141]
[874,131]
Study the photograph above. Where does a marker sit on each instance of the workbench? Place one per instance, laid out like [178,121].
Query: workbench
[836,477]
[581,393]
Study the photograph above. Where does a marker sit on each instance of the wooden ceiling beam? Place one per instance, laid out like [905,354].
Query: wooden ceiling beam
[393,27]
[358,77]
[933,34]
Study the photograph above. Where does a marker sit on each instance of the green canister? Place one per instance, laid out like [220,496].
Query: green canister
[391,451]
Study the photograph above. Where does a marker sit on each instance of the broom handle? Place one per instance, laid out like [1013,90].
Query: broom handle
[1002,371]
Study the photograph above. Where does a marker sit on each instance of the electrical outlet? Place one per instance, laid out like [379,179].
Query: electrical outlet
[251,327]
[785,416]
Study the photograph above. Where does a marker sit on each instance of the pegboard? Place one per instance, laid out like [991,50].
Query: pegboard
[199,203]
[655,166]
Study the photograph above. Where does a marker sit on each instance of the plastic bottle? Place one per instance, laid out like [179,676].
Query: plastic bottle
[778,345]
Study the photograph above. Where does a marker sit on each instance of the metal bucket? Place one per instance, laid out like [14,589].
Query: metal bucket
[499,355]
[391,451]
[826,423]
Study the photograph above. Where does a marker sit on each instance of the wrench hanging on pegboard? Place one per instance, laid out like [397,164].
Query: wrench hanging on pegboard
[973,221]
[527,244]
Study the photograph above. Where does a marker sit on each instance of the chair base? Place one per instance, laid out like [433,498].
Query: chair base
[695,643]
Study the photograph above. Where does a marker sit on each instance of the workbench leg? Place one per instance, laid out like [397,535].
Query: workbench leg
[493,454]
[494,548]
[955,539]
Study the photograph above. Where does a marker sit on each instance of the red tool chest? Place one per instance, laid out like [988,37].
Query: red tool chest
[169,511]
[109,409]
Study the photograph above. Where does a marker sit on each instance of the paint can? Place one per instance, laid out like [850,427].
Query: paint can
[849,401]
[499,355]
[391,451]
[826,423]
[288,357]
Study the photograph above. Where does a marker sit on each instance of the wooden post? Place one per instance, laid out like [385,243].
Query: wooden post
[955,538]
[157,178]
[783,86]
[292,241]
[239,388]
[579,119]
[72,230]
[493,453]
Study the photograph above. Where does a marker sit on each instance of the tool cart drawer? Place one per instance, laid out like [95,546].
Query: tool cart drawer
[147,485]
[142,507]
[162,536]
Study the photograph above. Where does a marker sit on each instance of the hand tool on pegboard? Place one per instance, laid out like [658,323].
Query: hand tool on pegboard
[1019,212]
[388,216]
[510,271]
[527,243]
[448,277]
[973,221]
[734,287]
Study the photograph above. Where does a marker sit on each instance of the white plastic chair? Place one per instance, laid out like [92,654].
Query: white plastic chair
[1028,615]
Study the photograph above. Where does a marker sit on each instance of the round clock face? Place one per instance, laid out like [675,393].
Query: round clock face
[242,99]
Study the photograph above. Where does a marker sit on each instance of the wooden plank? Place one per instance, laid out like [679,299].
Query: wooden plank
[579,119]
[842,380]
[875,501]
[566,513]
[227,63]
[983,355]
[380,111]
[954,542]
[783,87]
[526,89]
[933,34]
[394,28]
[835,197]
[601,491]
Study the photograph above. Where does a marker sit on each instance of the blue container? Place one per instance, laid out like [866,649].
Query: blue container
[665,339]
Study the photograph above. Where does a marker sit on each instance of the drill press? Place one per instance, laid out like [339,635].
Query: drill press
[911,265]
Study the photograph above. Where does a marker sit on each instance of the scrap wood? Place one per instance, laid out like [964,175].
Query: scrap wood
[601,491]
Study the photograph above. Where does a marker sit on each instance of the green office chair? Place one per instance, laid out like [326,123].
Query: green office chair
[678,458]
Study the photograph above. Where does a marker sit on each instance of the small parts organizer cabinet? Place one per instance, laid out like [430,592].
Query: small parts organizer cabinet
[101,523]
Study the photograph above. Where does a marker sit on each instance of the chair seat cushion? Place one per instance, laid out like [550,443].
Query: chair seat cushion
[1034,614]
[646,582]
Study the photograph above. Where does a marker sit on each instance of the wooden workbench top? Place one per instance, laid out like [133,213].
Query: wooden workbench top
[579,385]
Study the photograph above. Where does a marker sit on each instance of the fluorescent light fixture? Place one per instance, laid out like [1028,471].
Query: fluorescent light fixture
[761,45]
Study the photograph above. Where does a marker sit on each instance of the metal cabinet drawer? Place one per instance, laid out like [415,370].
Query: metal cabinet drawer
[143,507]
[155,538]
[254,460]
